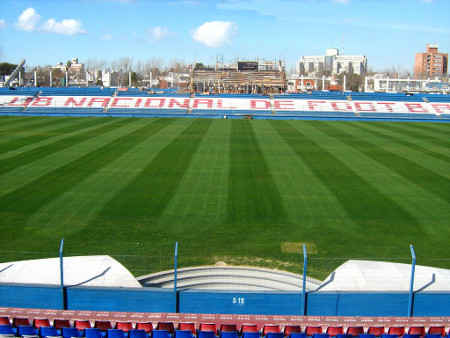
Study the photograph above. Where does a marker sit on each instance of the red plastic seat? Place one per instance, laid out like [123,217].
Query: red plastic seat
[333,331]
[103,325]
[437,330]
[21,322]
[208,327]
[4,321]
[228,328]
[82,324]
[376,330]
[420,330]
[60,323]
[187,326]
[41,322]
[310,330]
[168,326]
[288,329]
[270,328]
[124,326]
[147,326]
[249,328]
[397,330]
[355,330]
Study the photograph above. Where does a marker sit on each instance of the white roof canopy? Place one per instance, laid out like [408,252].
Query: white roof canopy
[78,271]
[356,275]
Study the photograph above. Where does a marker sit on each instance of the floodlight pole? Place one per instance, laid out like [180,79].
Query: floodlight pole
[61,267]
[175,271]
[411,287]
[305,268]
[175,268]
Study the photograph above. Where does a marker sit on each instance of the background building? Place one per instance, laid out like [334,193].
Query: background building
[332,63]
[431,64]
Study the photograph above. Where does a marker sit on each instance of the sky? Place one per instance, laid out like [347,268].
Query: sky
[388,32]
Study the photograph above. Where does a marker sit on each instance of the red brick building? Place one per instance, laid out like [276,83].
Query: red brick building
[430,64]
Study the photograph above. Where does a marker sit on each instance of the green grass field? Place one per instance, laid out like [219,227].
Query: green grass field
[238,191]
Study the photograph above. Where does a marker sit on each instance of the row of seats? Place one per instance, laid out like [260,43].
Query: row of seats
[60,325]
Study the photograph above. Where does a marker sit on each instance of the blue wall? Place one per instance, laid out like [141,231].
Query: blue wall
[31,296]
[287,303]
[121,299]
[194,301]
[357,304]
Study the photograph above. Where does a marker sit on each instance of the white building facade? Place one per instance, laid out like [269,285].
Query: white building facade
[332,63]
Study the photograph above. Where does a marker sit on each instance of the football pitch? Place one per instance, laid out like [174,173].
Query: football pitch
[247,192]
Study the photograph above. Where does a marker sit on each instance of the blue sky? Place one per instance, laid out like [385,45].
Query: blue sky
[388,32]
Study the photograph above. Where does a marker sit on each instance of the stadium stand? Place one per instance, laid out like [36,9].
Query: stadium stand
[377,331]
[92,333]
[437,330]
[292,329]
[417,330]
[311,330]
[333,331]
[74,101]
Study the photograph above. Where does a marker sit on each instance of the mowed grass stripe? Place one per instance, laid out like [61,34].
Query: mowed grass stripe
[402,128]
[7,122]
[413,140]
[308,203]
[372,210]
[34,123]
[141,203]
[413,172]
[254,201]
[21,203]
[40,134]
[94,127]
[430,129]
[73,211]
[32,171]
[206,178]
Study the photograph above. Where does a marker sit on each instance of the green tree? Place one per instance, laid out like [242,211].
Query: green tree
[6,68]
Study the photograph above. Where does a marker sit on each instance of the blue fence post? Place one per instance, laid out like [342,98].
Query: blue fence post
[175,277]
[411,285]
[61,267]
[305,268]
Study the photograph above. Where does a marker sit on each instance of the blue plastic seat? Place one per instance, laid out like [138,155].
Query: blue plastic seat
[115,333]
[161,334]
[47,331]
[68,332]
[298,335]
[411,335]
[388,335]
[137,333]
[92,333]
[274,335]
[433,335]
[344,335]
[229,335]
[183,334]
[26,330]
[6,329]
[320,335]
[366,335]
[250,335]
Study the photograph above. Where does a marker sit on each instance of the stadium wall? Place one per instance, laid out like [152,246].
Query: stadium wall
[195,301]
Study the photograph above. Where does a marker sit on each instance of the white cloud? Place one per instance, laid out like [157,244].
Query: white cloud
[159,33]
[2,24]
[66,27]
[215,33]
[29,21]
